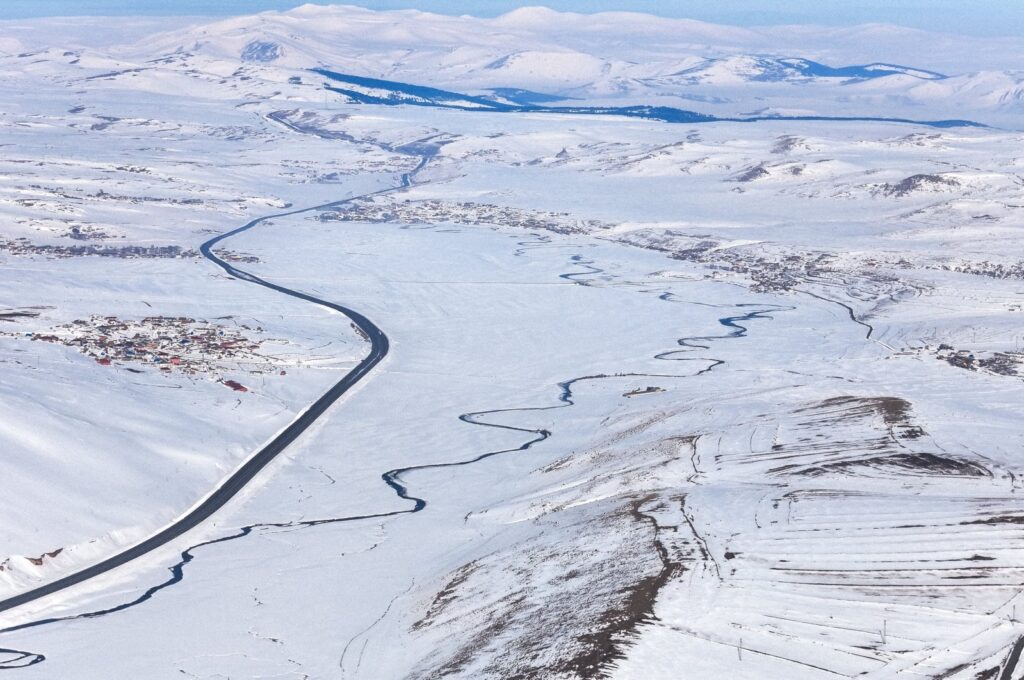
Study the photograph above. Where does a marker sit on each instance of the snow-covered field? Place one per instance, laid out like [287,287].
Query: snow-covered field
[663,400]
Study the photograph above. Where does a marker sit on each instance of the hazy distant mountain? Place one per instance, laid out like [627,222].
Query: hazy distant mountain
[609,59]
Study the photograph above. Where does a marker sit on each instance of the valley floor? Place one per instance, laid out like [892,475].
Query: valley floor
[662,401]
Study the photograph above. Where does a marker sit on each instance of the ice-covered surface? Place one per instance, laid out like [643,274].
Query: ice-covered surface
[736,398]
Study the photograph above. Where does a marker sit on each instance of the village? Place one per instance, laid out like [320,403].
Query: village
[1001,363]
[995,270]
[779,272]
[166,344]
[446,212]
[768,272]
[23,247]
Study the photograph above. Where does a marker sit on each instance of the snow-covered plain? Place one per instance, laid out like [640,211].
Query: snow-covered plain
[683,400]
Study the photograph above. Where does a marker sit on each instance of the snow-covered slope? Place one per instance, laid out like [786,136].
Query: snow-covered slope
[665,391]
[610,58]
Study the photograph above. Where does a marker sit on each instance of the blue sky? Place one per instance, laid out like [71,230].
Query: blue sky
[976,17]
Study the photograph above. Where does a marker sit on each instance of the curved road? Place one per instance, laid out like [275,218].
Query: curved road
[249,469]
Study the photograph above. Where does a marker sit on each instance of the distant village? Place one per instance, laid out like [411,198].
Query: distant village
[164,343]
[994,270]
[444,212]
[768,271]
[1002,363]
[22,246]
[1010,363]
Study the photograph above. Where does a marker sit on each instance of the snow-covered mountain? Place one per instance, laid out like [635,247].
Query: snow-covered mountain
[605,59]
[609,59]
[745,68]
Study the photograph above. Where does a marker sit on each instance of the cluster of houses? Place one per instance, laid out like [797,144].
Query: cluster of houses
[166,343]
[86,233]
[450,212]
[960,358]
[1003,363]
[103,195]
[232,256]
[22,246]
[767,272]
[995,270]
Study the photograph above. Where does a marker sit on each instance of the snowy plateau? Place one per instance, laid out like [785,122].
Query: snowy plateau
[343,344]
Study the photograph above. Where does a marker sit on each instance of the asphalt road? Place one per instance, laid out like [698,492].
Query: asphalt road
[243,475]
